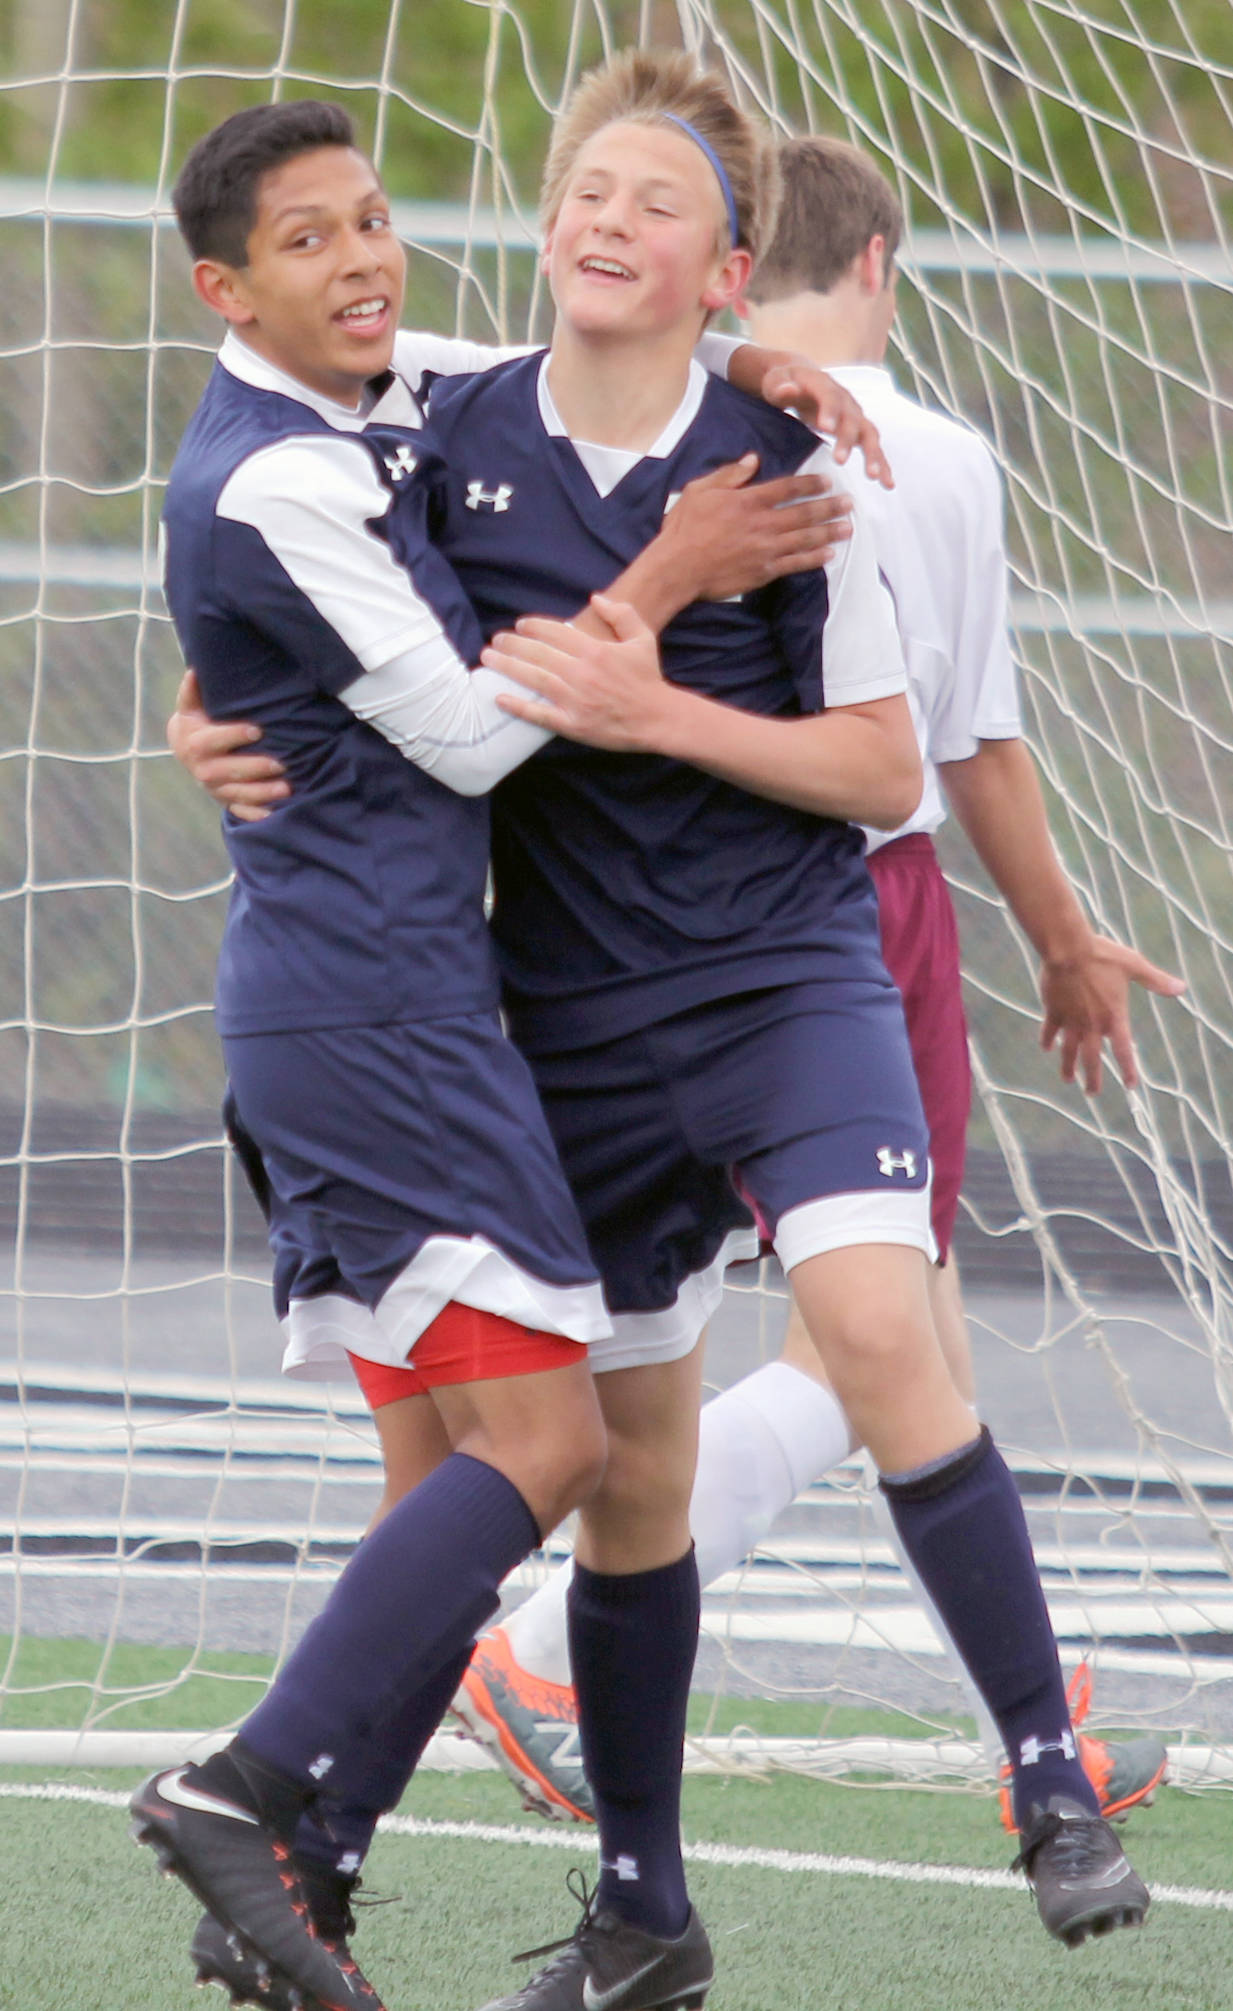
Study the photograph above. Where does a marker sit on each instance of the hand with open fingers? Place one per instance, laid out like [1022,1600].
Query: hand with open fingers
[249,785]
[1086,1002]
[601,689]
[731,534]
[815,397]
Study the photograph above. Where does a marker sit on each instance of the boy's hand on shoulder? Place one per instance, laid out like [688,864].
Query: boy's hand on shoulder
[801,387]
[728,534]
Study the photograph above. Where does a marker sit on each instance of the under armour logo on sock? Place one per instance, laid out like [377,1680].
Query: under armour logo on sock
[1032,1750]
[321,1766]
[626,1868]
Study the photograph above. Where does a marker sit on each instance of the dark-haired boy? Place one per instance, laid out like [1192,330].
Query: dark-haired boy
[418,1214]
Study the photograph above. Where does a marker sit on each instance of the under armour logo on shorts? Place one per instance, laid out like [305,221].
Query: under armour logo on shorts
[890,1163]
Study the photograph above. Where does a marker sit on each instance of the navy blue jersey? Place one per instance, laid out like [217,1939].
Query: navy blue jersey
[631,887]
[359,899]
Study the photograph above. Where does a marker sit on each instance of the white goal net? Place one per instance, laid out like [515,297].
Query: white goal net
[170,1513]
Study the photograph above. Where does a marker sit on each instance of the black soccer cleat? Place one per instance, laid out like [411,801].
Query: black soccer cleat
[609,1965]
[246,1877]
[222,1957]
[1079,1873]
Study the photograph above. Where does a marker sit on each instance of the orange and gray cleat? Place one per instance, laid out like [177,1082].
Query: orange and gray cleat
[529,1725]
[1124,1772]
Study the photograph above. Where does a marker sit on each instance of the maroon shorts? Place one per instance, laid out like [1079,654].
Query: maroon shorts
[920,942]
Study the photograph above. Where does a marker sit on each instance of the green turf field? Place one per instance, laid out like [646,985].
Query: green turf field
[88,1923]
[819,1897]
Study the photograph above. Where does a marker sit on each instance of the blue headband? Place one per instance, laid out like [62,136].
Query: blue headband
[720,172]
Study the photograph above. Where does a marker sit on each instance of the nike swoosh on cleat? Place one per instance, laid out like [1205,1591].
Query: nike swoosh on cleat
[602,2000]
[1113,1876]
[173,1789]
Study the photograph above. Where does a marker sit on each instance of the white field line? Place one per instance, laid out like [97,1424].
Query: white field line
[731,1857]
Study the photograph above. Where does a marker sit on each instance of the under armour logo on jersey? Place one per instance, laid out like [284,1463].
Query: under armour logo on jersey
[400,463]
[1031,1750]
[890,1163]
[496,500]
[321,1766]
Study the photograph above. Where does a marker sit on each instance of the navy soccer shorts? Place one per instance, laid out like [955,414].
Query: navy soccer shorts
[409,1167]
[801,1097]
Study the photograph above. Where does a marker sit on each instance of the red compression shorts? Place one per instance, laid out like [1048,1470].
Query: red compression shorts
[463,1345]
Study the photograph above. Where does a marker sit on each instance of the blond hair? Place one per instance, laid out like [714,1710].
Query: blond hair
[834,201]
[654,87]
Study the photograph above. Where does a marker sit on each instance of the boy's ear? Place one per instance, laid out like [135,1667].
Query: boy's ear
[222,289]
[729,283]
[871,266]
[545,254]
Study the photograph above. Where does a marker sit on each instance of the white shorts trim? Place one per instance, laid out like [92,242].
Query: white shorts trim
[320,1332]
[665,1336]
[843,1221]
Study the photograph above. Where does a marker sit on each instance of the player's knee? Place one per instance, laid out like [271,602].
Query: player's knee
[875,1351]
[569,1466]
[646,1479]
[584,1461]
[566,1481]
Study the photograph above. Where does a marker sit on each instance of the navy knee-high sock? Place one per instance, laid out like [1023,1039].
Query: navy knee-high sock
[963,1527]
[338,1832]
[632,1642]
[417,1590]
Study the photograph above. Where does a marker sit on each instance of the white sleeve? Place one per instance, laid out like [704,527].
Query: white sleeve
[715,352]
[979,698]
[862,656]
[445,718]
[417,351]
[312,503]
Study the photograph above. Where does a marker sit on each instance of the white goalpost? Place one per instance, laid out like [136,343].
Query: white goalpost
[167,1506]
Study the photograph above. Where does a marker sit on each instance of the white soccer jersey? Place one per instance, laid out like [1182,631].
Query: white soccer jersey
[939,542]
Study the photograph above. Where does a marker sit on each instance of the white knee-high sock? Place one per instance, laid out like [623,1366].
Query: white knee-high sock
[759,1444]
[536,1629]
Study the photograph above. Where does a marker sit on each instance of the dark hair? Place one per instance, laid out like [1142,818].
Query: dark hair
[834,200]
[215,196]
